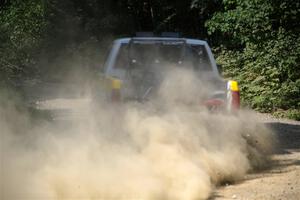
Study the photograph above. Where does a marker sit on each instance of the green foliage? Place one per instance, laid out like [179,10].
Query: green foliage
[262,51]
[291,114]
[21,28]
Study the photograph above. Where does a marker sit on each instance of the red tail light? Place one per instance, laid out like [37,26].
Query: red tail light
[213,102]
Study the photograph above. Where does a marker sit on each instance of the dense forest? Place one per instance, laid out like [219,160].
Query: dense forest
[256,41]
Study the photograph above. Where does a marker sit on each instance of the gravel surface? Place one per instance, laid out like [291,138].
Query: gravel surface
[282,180]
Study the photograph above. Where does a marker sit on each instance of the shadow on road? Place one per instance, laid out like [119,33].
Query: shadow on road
[288,136]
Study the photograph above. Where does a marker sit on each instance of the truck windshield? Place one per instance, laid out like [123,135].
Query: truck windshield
[163,53]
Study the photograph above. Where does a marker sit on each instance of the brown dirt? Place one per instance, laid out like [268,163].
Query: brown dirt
[280,181]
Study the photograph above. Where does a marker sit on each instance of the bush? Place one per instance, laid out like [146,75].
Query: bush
[262,52]
[22,23]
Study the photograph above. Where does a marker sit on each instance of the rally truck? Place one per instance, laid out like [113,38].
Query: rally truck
[139,61]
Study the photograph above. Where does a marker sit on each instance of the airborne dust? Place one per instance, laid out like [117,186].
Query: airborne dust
[169,148]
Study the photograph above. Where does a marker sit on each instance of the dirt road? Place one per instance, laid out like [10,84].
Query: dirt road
[279,182]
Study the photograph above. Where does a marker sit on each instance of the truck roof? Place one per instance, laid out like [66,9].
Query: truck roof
[158,39]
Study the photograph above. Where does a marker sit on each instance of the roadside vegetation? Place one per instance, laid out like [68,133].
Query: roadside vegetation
[256,41]
[262,51]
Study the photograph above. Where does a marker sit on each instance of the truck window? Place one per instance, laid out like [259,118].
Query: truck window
[198,56]
[147,54]
[122,60]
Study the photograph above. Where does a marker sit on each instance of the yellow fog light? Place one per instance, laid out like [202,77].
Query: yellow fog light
[115,87]
[233,86]
[115,83]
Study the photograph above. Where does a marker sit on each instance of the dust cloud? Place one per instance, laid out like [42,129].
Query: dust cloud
[168,148]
